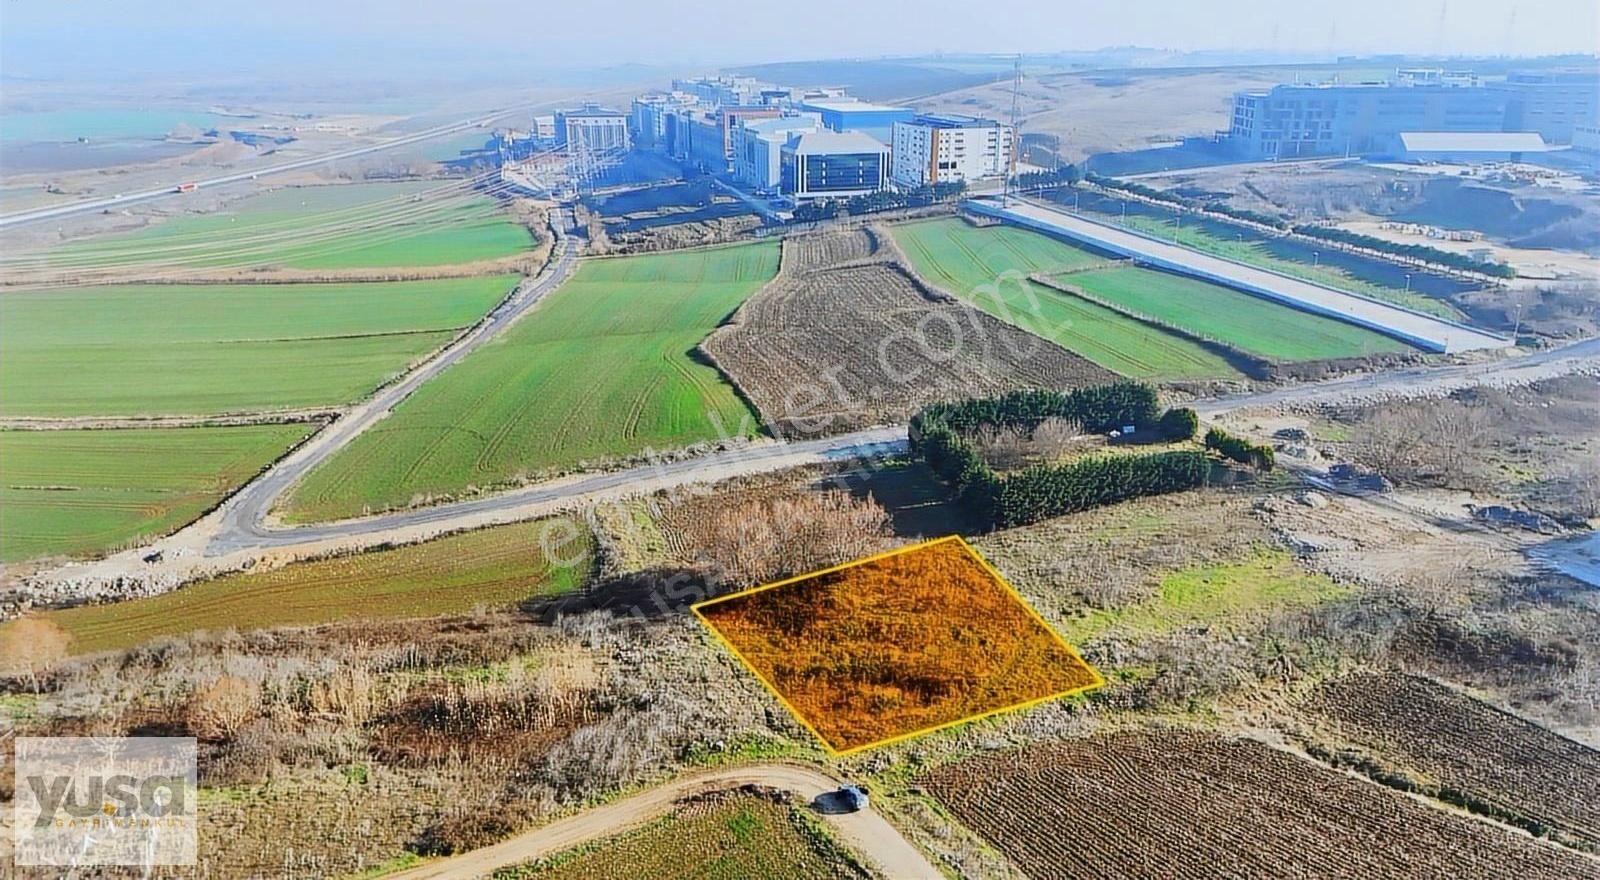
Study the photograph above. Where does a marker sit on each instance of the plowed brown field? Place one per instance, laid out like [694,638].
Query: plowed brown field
[1491,756]
[1180,804]
[835,344]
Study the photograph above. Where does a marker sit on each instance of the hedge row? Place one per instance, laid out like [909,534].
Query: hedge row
[1043,491]
[1240,450]
[1098,408]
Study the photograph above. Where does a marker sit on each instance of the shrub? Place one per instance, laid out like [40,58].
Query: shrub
[1179,423]
[1240,450]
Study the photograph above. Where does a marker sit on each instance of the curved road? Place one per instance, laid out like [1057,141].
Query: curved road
[866,831]
[244,522]
[244,513]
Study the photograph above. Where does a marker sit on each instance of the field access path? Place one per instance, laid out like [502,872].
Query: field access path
[866,831]
[1424,331]
[240,533]
[248,508]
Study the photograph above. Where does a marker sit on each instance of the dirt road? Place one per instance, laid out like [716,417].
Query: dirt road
[866,832]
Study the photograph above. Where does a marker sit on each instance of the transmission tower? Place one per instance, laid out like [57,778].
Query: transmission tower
[1016,135]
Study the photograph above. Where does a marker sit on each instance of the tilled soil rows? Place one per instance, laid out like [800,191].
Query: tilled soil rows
[828,350]
[1183,804]
[1492,757]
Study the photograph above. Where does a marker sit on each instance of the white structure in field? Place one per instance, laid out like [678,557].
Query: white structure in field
[948,148]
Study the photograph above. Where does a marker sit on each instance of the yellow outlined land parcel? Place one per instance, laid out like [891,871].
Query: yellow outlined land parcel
[897,645]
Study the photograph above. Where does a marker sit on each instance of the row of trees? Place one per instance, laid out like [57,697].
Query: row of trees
[882,200]
[1415,253]
[1066,175]
[939,434]
[1098,408]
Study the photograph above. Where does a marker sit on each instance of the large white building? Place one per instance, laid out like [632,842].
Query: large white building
[592,128]
[758,147]
[947,148]
[833,165]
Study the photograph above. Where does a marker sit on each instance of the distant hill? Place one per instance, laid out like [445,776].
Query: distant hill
[872,80]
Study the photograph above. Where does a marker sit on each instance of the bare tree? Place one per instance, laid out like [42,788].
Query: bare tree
[222,708]
[763,539]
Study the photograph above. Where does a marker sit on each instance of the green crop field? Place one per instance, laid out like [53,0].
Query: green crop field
[451,575]
[973,263]
[725,836]
[200,350]
[1262,327]
[402,224]
[605,367]
[82,492]
[1379,279]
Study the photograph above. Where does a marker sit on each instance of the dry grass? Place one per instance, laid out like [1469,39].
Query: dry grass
[897,645]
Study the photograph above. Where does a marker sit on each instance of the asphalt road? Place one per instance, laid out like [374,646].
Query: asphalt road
[865,831]
[244,513]
[130,198]
[245,527]
[1426,331]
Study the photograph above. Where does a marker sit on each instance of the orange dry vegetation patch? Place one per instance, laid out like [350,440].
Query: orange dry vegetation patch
[897,645]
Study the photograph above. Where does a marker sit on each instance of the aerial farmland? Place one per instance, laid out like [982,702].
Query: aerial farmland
[525,473]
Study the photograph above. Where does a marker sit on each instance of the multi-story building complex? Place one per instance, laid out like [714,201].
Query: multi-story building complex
[948,148]
[720,91]
[1289,121]
[592,128]
[833,165]
[850,114]
[1553,103]
[758,147]
[544,129]
[648,116]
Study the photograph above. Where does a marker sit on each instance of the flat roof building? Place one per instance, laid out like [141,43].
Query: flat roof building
[833,165]
[592,128]
[1289,121]
[950,148]
[1553,103]
[849,114]
[758,147]
[1470,146]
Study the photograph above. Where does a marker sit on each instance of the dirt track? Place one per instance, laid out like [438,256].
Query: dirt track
[866,832]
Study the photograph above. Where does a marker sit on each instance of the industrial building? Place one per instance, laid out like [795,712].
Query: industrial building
[1553,103]
[949,148]
[850,114]
[1290,121]
[758,147]
[592,129]
[833,165]
[1470,146]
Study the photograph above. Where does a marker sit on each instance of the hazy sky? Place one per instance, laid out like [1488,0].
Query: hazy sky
[79,37]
